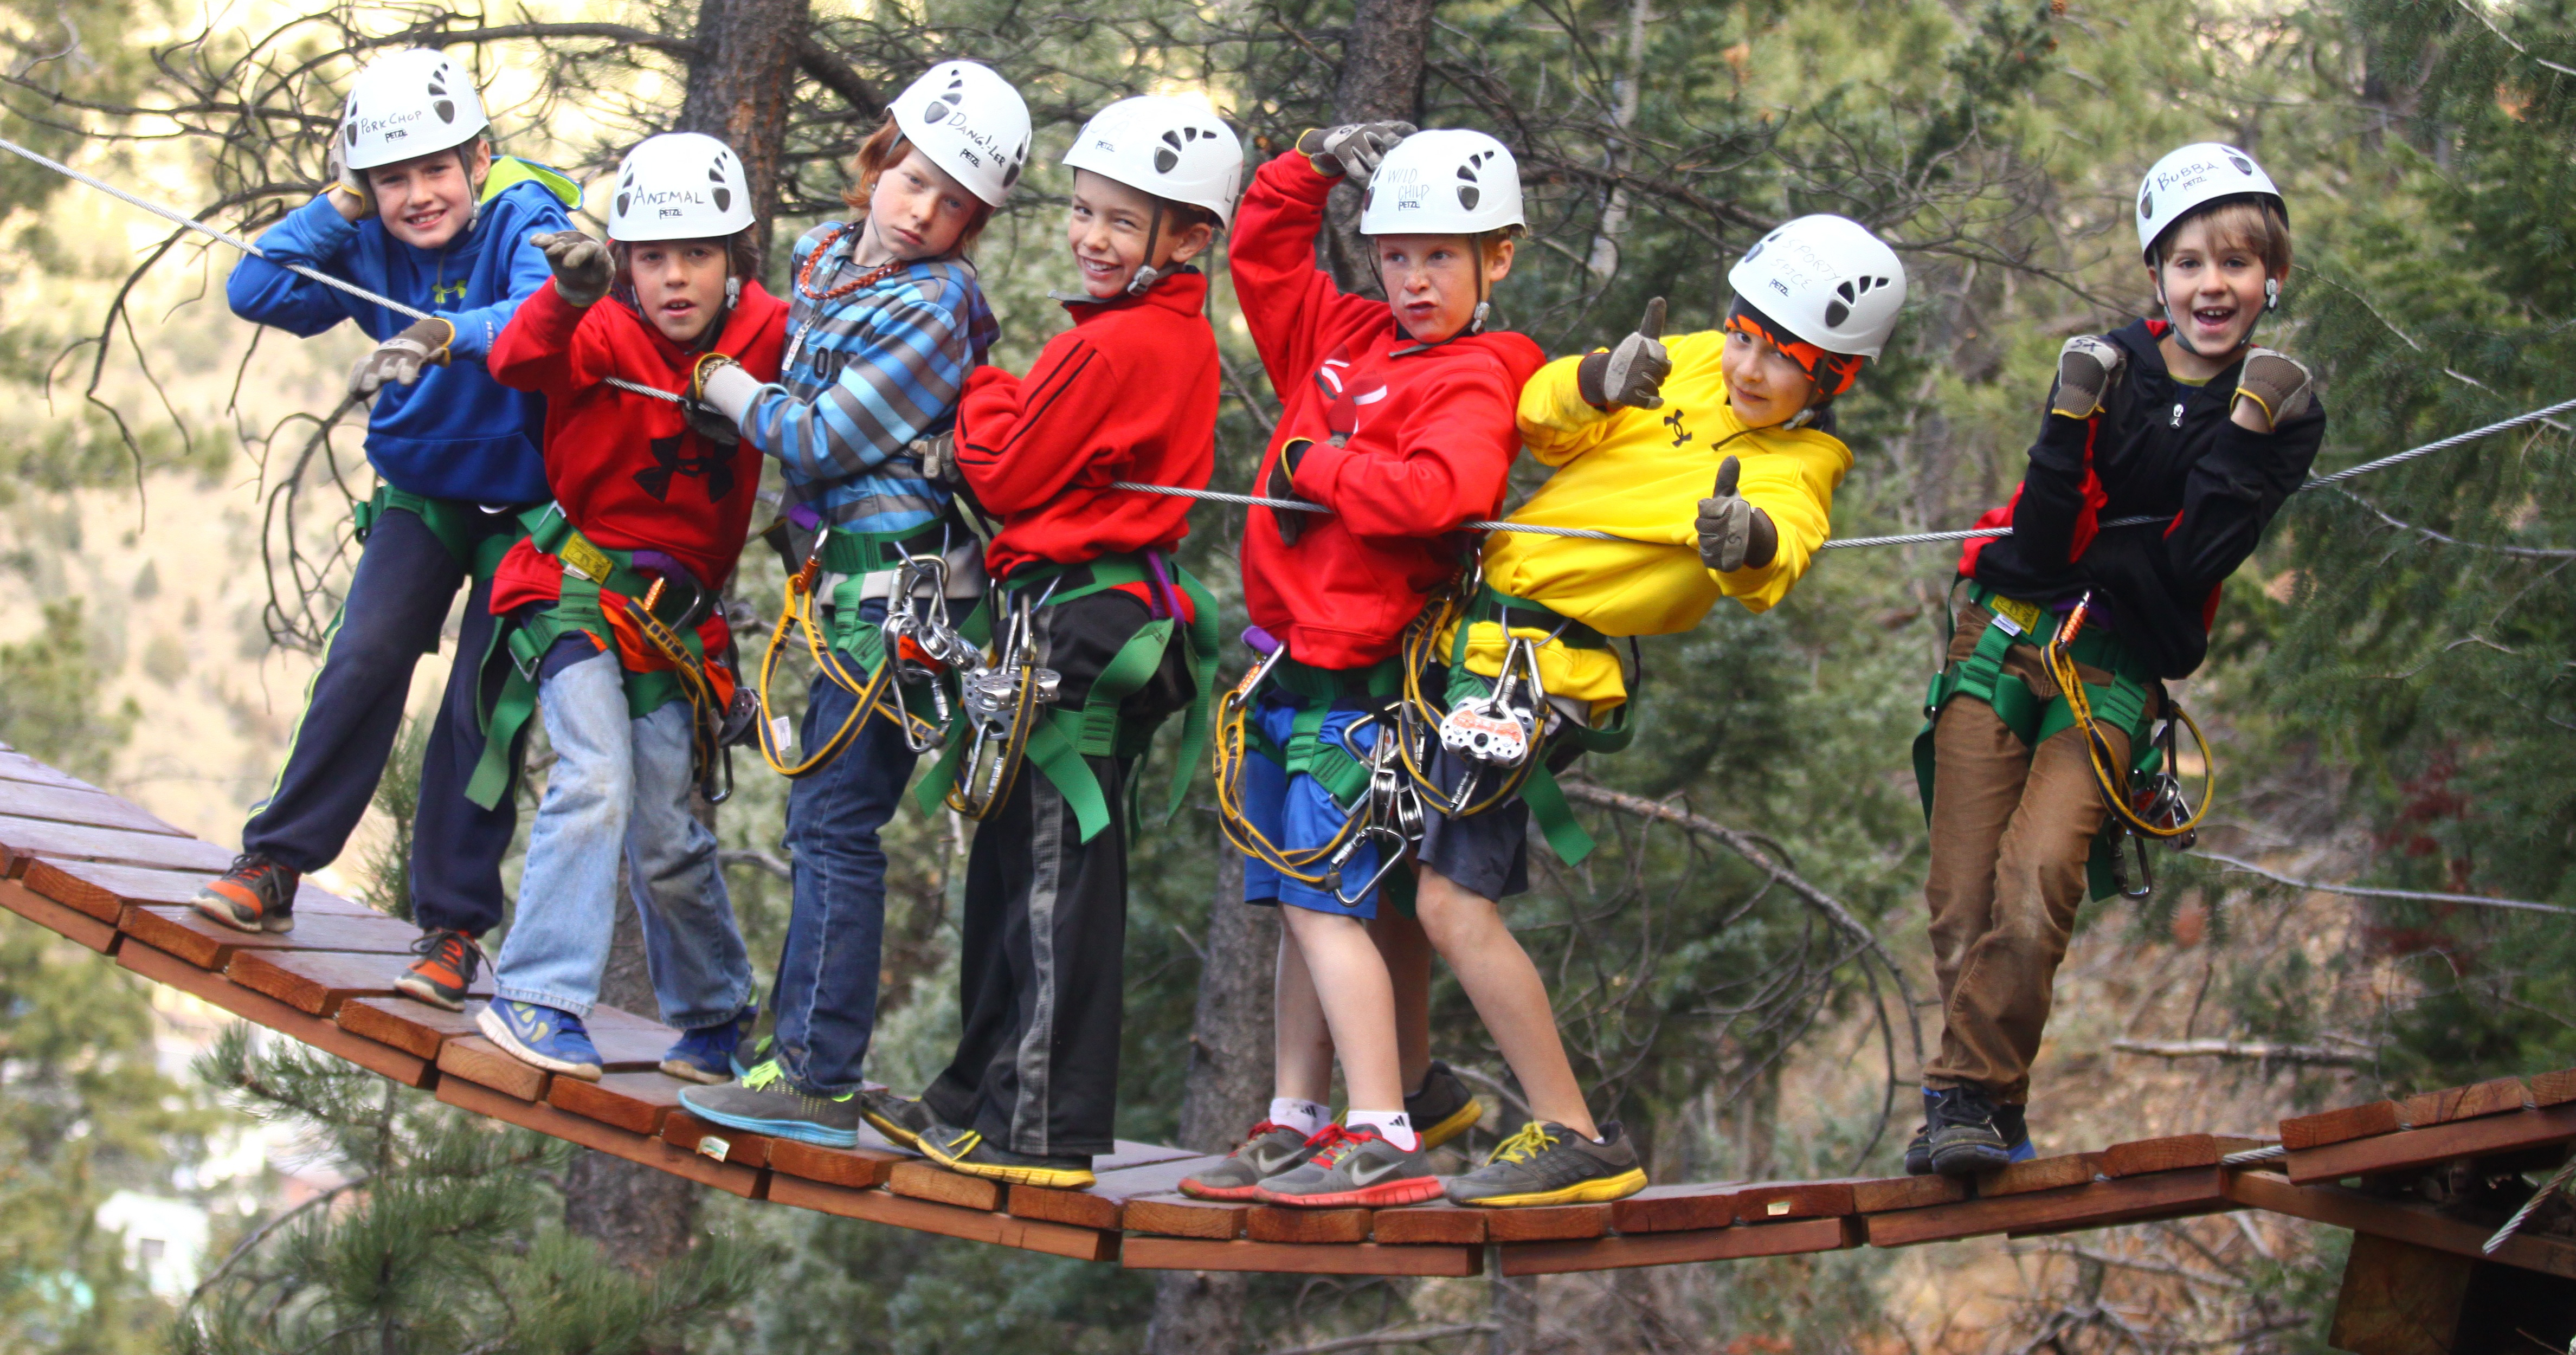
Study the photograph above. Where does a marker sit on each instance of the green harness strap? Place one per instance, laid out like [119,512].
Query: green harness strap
[854,556]
[1546,799]
[588,568]
[2121,704]
[1342,775]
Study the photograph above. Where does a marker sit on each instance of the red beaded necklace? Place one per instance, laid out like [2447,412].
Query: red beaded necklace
[870,278]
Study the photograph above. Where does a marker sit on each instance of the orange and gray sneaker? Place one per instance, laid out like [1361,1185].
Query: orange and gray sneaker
[1444,1108]
[256,895]
[448,962]
[1352,1168]
[1271,1148]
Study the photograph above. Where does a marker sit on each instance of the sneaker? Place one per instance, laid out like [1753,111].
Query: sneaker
[1444,1108]
[2013,1122]
[704,1054]
[445,970]
[767,1102]
[1268,1150]
[1966,1133]
[902,1119]
[964,1150]
[1352,1168]
[256,895]
[750,1056]
[1547,1163]
[1918,1151]
[544,1036]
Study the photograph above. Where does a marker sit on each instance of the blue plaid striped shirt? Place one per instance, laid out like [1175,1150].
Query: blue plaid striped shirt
[865,375]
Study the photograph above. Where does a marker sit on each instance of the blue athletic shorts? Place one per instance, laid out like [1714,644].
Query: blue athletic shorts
[1296,814]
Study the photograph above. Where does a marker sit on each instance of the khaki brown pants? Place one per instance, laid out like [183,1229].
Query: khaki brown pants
[2011,832]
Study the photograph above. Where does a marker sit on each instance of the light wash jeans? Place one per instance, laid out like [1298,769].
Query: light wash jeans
[620,780]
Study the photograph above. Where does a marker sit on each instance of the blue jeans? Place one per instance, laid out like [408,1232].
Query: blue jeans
[1297,814]
[619,781]
[826,994]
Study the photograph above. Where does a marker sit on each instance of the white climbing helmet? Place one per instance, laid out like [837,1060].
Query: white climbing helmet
[2196,174]
[414,102]
[971,124]
[1172,148]
[1828,280]
[680,186]
[1450,181]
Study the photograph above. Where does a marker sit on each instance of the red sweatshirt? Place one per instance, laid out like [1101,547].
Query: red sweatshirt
[1429,446]
[1128,393]
[626,468]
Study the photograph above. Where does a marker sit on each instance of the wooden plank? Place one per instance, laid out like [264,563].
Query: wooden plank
[1307,1227]
[2422,1147]
[628,1043]
[929,1181]
[2178,1152]
[2340,1125]
[1547,1223]
[1677,1208]
[2042,1173]
[481,1062]
[1665,1249]
[731,1178]
[1101,1205]
[162,967]
[79,804]
[636,1102]
[104,890]
[1130,1155]
[2097,1204]
[1181,1216]
[208,944]
[1770,1201]
[2463,1103]
[1418,1224]
[1904,1192]
[68,922]
[2554,1088]
[923,1216]
[2420,1224]
[1289,1258]
[682,1130]
[2399,1299]
[23,839]
[855,1168]
[17,766]
[318,981]
[411,1026]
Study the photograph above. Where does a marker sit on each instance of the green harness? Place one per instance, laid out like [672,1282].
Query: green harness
[588,568]
[2121,704]
[1539,790]
[463,528]
[1064,738]
[1319,692]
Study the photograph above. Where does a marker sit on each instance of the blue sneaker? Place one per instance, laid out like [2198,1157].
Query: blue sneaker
[553,1040]
[706,1054]
[766,1102]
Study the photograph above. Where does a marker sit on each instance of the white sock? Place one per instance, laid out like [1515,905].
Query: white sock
[1303,1116]
[1394,1126]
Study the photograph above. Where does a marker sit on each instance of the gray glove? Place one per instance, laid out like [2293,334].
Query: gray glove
[398,361]
[2277,382]
[1352,150]
[583,270]
[1631,374]
[1733,534]
[348,188]
[710,423]
[938,456]
[1282,484]
[2086,367]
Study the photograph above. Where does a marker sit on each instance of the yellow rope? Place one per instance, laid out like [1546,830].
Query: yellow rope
[2108,777]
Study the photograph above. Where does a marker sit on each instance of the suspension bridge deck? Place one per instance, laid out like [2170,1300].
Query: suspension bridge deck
[109,875]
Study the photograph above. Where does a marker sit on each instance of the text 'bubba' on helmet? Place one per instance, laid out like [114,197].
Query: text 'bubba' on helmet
[2199,173]
[1828,281]
[680,186]
[411,103]
[969,122]
[1175,149]
[1448,181]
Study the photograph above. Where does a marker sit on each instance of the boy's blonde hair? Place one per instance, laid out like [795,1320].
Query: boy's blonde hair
[2251,224]
[884,149]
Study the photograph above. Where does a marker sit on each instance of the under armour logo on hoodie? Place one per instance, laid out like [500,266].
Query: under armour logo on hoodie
[715,467]
[1342,404]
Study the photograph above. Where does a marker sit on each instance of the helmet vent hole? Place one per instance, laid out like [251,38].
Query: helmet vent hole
[1836,313]
[1845,292]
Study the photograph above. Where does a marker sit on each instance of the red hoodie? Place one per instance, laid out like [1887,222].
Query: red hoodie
[626,468]
[1430,445]
[1128,393]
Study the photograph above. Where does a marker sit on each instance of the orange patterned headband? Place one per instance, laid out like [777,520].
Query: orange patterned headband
[1832,373]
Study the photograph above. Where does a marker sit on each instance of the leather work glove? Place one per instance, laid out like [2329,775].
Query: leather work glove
[2086,367]
[710,423]
[583,269]
[1282,485]
[1631,374]
[1353,150]
[348,188]
[398,361]
[938,456]
[2277,382]
[1733,534]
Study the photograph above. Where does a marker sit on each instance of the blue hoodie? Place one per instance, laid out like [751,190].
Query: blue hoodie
[456,433]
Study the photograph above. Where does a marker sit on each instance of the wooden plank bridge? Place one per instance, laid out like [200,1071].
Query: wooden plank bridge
[109,875]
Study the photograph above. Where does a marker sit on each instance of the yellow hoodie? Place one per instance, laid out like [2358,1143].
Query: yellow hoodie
[1641,473]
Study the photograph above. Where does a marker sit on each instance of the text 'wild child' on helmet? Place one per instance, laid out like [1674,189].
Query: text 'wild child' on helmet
[1447,181]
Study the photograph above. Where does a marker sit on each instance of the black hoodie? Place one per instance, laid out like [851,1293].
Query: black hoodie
[2162,449]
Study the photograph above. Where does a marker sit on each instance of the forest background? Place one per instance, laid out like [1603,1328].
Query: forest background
[1741,969]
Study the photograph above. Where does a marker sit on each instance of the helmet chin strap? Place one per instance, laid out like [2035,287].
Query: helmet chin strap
[1146,273]
[2271,302]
